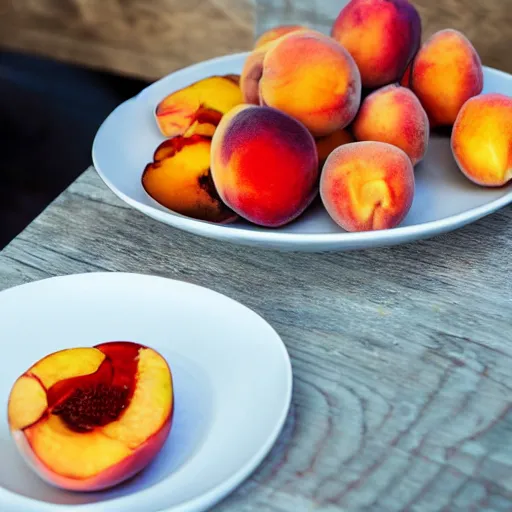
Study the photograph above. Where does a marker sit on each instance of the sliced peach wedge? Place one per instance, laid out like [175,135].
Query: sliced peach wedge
[179,178]
[86,419]
[198,108]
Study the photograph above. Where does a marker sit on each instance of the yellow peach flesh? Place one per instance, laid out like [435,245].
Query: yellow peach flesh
[66,364]
[149,405]
[27,402]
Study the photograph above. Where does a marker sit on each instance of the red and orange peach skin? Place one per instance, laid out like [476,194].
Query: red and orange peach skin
[381,35]
[264,165]
[393,114]
[322,91]
[253,68]
[86,419]
[367,186]
[481,139]
[447,71]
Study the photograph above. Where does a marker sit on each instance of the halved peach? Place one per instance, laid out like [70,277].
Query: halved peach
[179,178]
[86,419]
[199,107]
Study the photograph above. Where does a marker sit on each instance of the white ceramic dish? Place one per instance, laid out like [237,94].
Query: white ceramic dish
[231,372]
[444,199]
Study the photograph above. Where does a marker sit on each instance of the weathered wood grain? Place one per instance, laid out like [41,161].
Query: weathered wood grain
[143,38]
[487,24]
[401,356]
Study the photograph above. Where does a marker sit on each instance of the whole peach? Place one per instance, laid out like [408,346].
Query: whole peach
[481,139]
[381,35]
[264,165]
[367,186]
[446,72]
[393,114]
[313,79]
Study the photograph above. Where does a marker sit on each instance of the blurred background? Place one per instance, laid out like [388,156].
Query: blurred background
[66,64]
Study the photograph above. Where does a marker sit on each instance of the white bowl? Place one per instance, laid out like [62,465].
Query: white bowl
[232,381]
[444,198]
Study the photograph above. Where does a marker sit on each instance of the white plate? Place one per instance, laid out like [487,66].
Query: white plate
[231,372]
[444,199]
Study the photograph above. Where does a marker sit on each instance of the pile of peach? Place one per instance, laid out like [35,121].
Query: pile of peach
[346,116]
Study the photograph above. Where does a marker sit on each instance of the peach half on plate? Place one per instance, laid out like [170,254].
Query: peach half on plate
[86,419]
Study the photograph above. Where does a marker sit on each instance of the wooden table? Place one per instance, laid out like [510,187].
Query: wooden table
[402,356]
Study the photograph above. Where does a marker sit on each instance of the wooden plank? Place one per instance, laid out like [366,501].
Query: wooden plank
[487,24]
[137,37]
[401,356]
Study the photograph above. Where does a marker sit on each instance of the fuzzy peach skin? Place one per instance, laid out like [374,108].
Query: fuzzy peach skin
[322,91]
[86,419]
[264,165]
[381,35]
[252,70]
[198,108]
[179,178]
[393,114]
[367,186]
[251,73]
[447,71]
[326,145]
[481,139]
[277,32]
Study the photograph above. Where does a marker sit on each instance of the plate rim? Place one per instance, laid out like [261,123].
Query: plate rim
[279,238]
[225,487]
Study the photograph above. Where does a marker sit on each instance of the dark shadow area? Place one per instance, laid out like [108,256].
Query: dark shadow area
[49,114]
